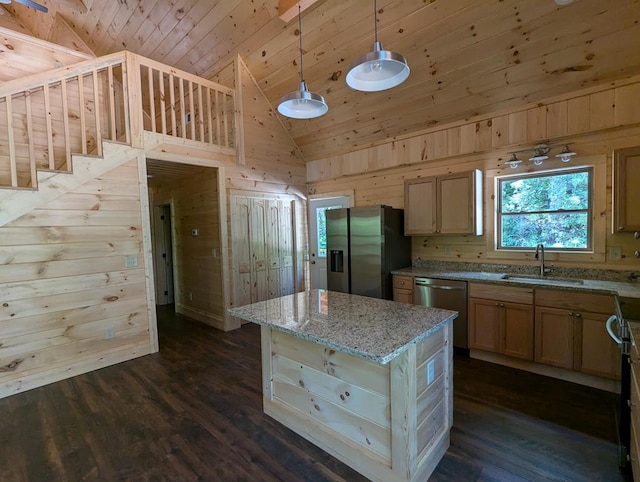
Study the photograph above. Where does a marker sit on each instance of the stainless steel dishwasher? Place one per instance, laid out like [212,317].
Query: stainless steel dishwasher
[447,294]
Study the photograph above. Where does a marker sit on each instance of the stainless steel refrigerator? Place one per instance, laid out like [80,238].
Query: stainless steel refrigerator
[364,244]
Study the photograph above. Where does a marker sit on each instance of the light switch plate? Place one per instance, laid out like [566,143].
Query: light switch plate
[131,261]
[615,253]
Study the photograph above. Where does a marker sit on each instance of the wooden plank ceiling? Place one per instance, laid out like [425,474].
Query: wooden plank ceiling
[467,57]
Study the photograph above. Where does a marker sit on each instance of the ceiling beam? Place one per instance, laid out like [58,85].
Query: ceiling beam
[288,9]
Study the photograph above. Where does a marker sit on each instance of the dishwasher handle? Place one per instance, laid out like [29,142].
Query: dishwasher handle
[440,287]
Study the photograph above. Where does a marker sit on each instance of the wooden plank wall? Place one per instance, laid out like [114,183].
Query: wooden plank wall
[194,202]
[595,122]
[69,302]
[269,166]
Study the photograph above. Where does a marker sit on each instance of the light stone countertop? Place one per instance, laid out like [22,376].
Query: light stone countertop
[370,328]
[631,290]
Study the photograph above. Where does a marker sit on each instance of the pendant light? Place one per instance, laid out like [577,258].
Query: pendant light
[379,69]
[302,104]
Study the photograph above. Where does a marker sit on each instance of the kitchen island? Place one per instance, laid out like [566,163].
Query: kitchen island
[367,380]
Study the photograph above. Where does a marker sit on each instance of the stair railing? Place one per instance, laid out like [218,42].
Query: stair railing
[47,117]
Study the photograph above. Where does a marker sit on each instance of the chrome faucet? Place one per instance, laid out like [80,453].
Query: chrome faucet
[540,257]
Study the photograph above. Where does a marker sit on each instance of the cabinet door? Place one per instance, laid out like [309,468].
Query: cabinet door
[599,354]
[516,335]
[484,325]
[420,206]
[403,296]
[554,337]
[626,195]
[460,203]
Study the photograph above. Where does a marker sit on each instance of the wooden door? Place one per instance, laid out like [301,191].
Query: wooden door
[287,243]
[625,189]
[258,239]
[420,206]
[455,204]
[554,337]
[484,324]
[599,354]
[162,255]
[516,335]
[241,251]
[273,241]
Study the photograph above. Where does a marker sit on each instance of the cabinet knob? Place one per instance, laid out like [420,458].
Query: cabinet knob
[502,304]
[497,304]
[570,313]
[578,315]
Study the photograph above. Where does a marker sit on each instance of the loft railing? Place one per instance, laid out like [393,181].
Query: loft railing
[45,118]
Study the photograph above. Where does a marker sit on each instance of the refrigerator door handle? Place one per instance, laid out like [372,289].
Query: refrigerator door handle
[612,319]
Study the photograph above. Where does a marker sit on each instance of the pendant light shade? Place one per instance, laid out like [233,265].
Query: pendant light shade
[302,104]
[379,69]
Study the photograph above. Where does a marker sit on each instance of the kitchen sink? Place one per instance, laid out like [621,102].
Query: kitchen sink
[533,278]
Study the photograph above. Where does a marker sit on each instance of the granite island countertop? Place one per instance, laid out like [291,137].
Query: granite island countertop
[370,328]
[631,290]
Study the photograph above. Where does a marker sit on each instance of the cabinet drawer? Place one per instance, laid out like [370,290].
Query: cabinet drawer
[403,282]
[501,293]
[572,300]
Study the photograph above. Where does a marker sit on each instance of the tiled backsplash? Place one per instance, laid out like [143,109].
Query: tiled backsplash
[580,273]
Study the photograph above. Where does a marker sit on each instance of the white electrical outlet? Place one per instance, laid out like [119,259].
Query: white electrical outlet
[431,371]
[109,332]
[130,261]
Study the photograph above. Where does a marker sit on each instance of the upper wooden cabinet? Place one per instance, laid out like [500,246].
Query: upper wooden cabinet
[626,196]
[449,204]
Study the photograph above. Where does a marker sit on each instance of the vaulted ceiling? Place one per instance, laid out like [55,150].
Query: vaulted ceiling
[467,57]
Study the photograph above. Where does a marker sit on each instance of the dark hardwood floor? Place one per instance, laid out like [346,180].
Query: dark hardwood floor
[193,412]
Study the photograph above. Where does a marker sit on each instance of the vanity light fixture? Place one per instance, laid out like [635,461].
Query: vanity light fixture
[565,154]
[539,154]
[302,104]
[379,69]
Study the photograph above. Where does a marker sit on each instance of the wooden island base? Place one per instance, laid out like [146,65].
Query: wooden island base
[384,421]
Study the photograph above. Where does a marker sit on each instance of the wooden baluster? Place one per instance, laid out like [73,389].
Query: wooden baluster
[47,115]
[192,112]
[226,120]
[32,154]
[209,117]
[182,112]
[65,122]
[125,93]
[13,166]
[200,113]
[83,120]
[152,100]
[163,107]
[218,129]
[172,100]
[113,134]
[96,111]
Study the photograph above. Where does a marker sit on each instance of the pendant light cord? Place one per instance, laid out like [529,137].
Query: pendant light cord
[300,29]
[375,19]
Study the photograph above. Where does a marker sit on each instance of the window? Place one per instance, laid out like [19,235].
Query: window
[322,229]
[550,208]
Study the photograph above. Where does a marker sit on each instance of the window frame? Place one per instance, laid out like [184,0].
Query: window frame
[548,173]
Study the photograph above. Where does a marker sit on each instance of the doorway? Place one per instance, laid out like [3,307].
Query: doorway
[163,254]
[318,237]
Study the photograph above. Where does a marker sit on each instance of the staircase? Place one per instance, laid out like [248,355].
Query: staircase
[67,120]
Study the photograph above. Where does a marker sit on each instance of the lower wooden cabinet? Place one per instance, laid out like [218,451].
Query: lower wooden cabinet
[634,404]
[570,333]
[499,325]
[403,289]
[554,337]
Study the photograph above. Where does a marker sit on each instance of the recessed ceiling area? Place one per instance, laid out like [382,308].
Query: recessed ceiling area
[467,57]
